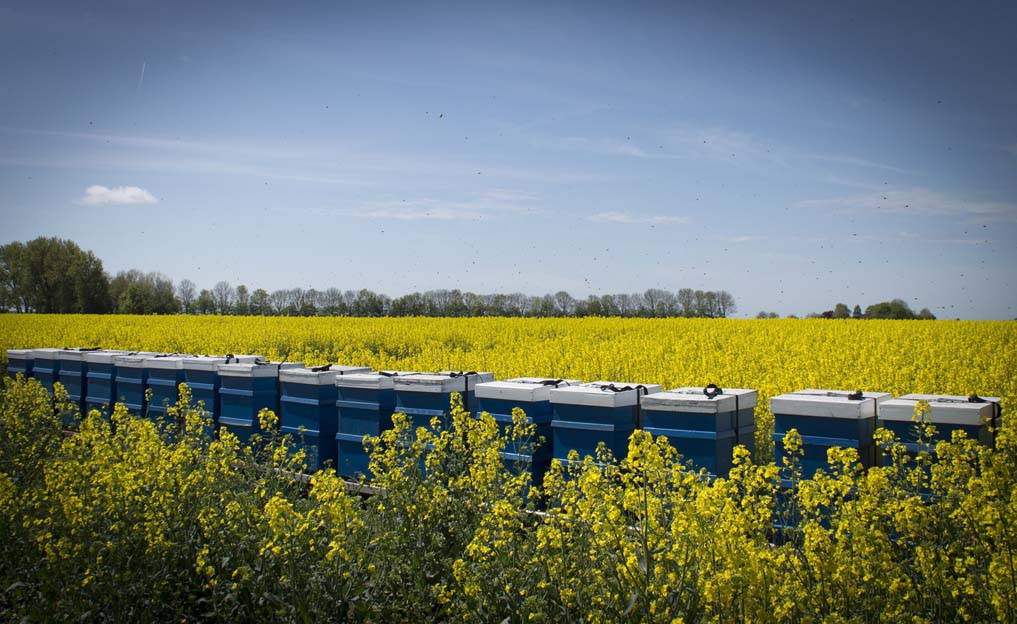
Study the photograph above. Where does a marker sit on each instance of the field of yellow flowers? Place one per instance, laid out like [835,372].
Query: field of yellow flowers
[132,521]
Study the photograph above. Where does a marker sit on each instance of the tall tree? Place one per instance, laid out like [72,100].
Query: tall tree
[242,306]
[187,292]
[224,296]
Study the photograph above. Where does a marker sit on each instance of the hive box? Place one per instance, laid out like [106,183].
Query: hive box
[703,426]
[132,380]
[46,367]
[165,374]
[826,419]
[364,406]
[308,409]
[947,412]
[602,411]
[423,396]
[533,396]
[100,390]
[245,389]
[201,374]
[74,374]
[19,361]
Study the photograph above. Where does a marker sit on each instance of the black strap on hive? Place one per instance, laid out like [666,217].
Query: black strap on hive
[857,395]
[388,373]
[318,369]
[552,382]
[712,390]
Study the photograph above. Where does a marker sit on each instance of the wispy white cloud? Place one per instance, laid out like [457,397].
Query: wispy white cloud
[629,218]
[746,239]
[97,195]
[921,202]
[591,145]
[914,236]
[494,204]
[326,162]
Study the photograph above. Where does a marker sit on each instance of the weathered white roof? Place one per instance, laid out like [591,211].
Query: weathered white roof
[694,400]
[828,403]
[945,410]
[597,394]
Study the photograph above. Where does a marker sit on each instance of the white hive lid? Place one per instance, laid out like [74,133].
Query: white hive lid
[46,354]
[472,378]
[727,400]
[828,403]
[523,389]
[430,382]
[19,353]
[956,397]
[694,400]
[596,394]
[212,362]
[376,381]
[168,362]
[256,369]
[944,410]
[75,354]
[132,360]
[105,356]
[324,377]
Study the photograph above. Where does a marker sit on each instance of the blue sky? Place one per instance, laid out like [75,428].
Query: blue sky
[796,155]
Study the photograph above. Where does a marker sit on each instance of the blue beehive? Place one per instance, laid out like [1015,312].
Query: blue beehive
[533,396]
[165,374]
[46,367]
[584,416]
[74,375]
[364,405]
[745,401]
[702,424]
[132,381]
[20,361]
[245,389]
[423,396]
[974,415]
[826,419]
[100,389]
[201,374]
[308,409]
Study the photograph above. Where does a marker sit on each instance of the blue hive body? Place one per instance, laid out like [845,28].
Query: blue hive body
[533,396]
[201,374]
[364,406]
[46,367]
[20,361]
[423,396]
[165,374]
[245,389]
[100,389]
[74,375]
[703,426]
[132,381]
[308,409]
[585,415]
[975,416]
[826,419]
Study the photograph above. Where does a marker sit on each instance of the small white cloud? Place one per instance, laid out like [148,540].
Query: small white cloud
[625,217]
[97,195]
[918,202]
[746,239]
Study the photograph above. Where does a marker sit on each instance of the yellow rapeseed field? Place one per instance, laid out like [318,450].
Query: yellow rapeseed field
[772,356]
[125,523]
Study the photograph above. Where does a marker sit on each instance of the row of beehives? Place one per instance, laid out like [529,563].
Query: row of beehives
[331,408]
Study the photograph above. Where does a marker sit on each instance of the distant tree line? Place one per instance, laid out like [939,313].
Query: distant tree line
[896,309]
[223,298]
[51,275]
